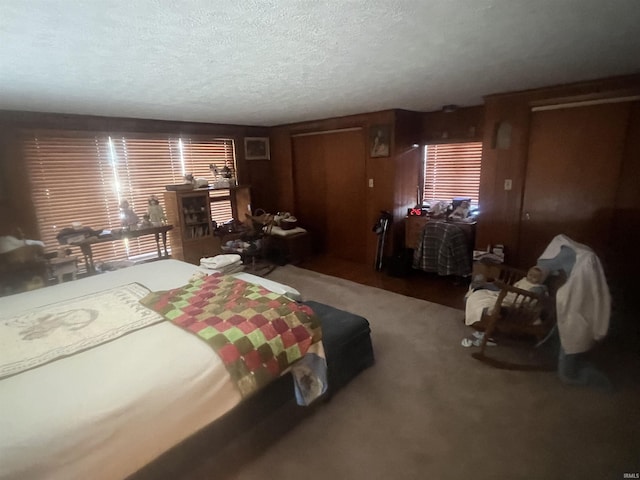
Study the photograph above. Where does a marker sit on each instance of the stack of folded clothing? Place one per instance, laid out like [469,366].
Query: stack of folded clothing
[227,263]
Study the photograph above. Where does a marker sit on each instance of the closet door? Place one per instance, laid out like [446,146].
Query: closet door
[345,202]
[573,170]
[310,190]
[329,186]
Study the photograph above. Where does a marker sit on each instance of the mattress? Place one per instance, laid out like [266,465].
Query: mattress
[256,423]
[131,400]
[128,399]
[347,343]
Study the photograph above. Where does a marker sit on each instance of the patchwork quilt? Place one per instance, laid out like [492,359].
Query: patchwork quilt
[258,334]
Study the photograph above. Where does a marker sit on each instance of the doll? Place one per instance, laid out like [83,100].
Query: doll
[534,281]
[155,212]
[461,211]
[127,215]
[483,298]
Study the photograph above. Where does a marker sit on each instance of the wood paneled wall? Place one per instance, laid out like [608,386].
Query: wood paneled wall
[501,209]
[16,209]
[395,178]
[462,125]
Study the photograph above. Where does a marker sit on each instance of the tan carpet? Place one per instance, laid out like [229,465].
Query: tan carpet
[428,410]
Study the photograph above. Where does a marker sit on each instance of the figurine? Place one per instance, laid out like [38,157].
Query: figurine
[461,211]
[155,212]
[127,216]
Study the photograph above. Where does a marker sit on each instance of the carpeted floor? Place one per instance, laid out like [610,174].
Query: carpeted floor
[428,410]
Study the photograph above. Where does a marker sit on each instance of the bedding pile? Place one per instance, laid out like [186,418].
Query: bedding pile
[225,263]
[258,334]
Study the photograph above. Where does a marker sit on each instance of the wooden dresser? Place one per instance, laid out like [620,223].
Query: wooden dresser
[413,229]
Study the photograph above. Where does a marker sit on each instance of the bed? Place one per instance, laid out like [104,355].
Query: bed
[132,402]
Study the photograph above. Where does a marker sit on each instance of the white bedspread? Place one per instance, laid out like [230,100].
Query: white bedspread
[130,399]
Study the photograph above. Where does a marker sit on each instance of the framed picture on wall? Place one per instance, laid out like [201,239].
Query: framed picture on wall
[256,148]
[379,140]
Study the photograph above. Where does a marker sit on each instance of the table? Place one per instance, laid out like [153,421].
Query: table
[85,245]
[285,249]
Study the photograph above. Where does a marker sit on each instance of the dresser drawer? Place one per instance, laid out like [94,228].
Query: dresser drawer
[413,230]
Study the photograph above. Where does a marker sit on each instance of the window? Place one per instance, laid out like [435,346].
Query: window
[451,170]
[83,177]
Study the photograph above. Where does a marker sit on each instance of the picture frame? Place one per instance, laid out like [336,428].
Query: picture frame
[256,148]
[379,141]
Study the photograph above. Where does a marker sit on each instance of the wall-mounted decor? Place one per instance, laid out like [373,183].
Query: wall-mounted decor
[379,140]
[502,136]
[256,148]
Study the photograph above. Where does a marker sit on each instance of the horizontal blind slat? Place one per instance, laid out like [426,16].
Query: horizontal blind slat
[452,170]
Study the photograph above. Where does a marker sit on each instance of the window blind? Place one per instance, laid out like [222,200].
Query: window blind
[84,177]
[198,155]
[452,170]
[71,181]
[142,167]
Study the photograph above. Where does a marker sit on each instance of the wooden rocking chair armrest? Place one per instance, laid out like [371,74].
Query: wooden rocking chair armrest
[524,300]
[505,287]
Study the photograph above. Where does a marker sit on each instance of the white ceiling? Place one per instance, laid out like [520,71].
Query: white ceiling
[272,62]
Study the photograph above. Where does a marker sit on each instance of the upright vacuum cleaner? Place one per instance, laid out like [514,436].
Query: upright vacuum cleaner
[381,228]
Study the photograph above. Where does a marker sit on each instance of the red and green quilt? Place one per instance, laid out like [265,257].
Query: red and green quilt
[257,333]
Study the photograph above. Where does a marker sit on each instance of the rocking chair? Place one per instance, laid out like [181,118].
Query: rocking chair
[518,313]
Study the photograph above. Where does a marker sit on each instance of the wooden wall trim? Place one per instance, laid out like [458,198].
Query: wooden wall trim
[326,132]
[585,103]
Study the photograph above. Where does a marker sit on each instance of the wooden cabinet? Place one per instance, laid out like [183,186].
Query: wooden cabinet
[413,230]
[192,237]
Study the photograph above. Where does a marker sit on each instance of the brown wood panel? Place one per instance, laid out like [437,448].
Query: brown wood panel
[499,221]
[345,201]
[463,125]
[573,169]
[381,170]
[329,184]
[241,206]
[625,231]
[310,187]
[413,230]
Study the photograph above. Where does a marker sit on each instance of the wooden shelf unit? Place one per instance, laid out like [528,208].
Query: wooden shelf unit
[189,211]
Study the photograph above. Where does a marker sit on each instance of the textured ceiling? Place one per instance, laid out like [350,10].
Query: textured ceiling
[273,62]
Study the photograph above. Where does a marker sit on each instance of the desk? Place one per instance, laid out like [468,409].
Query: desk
[85,245]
